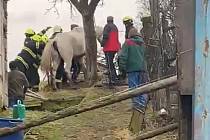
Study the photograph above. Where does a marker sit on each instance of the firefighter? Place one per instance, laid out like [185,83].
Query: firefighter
[28,53]
[128,22]
[32,73]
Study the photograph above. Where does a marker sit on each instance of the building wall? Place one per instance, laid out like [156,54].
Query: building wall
[3,55]
[185,44]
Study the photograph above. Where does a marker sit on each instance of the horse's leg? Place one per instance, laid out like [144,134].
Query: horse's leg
[54,79]
[83,67]
[56,63]
[75,68]
[68,69]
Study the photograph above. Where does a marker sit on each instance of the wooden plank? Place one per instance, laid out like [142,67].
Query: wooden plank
[136,123]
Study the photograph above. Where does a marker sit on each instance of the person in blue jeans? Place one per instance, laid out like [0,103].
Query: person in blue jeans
[135,79]
[132,60]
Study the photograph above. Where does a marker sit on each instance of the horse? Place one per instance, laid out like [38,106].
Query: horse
[67,45]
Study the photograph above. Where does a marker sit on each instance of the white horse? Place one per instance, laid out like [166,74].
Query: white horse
[67,45]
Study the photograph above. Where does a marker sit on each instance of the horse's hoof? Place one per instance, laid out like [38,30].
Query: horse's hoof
[55,89]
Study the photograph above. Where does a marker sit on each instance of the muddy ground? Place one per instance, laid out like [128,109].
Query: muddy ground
[107,123]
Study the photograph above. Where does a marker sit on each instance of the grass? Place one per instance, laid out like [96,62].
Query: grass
[109,122]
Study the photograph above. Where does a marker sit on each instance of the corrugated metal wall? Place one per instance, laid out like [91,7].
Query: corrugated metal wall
[3,56]
[202,75]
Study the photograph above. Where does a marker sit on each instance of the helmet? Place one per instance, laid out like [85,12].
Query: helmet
[127,19]
[44,38]
[57,29]
[30,31]
[37,38]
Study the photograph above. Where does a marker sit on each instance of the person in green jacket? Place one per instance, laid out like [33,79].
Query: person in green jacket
[132,60]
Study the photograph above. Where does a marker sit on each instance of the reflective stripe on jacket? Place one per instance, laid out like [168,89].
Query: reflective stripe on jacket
[19,58]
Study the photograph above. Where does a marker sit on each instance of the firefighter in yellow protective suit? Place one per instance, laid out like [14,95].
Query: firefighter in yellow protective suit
[28,53]
[32,73]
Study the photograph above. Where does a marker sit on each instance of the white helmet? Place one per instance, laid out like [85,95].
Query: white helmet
[57,29]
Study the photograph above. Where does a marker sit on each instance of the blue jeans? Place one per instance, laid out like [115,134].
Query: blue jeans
[134,80]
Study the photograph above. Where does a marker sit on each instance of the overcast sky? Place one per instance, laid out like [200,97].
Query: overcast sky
[23,14]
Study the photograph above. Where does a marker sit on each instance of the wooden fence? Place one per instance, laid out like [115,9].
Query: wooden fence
[3,53]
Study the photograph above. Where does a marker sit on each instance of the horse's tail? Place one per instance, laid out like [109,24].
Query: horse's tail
[47,57]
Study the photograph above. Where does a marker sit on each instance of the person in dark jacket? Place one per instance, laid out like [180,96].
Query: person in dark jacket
[111,46]
[24,58]
[17,84]
[27,58]
[32,73]
[132,60]
[75,63]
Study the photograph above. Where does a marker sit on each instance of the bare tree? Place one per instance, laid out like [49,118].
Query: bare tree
[87,9]
[143,9]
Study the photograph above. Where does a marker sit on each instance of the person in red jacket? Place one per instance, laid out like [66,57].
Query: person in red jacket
[111,46]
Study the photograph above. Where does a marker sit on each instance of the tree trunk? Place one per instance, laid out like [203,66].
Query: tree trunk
[91,47]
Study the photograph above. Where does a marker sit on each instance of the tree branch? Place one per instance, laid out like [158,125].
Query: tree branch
[54,3]
[84,2]
[92,5]
[77,4]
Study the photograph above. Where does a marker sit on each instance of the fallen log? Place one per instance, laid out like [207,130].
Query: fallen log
[36,97]
[157,132]
[98,103]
